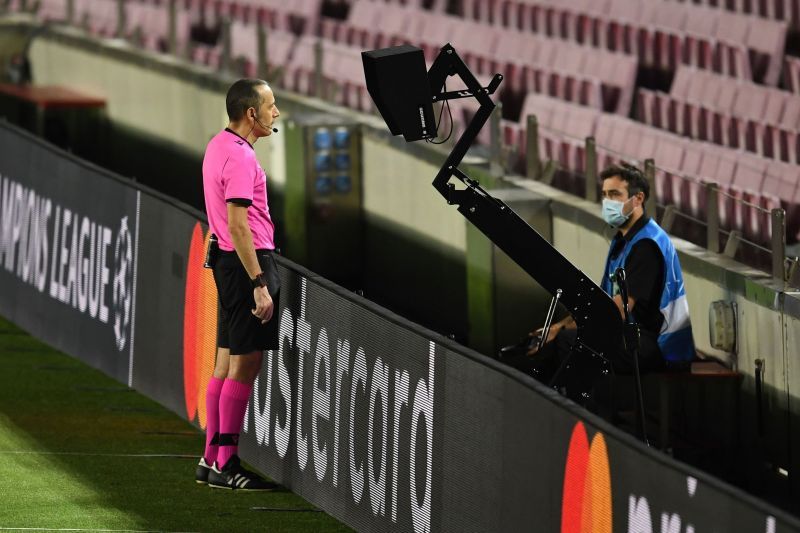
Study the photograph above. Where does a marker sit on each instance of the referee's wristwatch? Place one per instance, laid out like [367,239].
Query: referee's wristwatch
[259,281]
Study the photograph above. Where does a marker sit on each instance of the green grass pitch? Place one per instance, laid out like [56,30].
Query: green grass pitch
[65,430]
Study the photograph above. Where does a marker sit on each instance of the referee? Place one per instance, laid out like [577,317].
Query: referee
[246,276]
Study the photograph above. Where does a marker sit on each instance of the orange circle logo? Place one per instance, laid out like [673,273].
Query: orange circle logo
[199,328]
[586,502]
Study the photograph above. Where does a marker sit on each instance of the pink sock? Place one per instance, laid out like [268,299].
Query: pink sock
[232,405]
[212,418]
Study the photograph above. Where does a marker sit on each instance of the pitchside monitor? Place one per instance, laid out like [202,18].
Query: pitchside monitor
[397,81]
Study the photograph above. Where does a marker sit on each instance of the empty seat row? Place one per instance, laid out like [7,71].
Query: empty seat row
[100,17]
[279,47]
[48,9]
[749,185]
[299,16]
[788,10]
[742,115]
[662,34]
[151,21]
[148,21]
[529,62]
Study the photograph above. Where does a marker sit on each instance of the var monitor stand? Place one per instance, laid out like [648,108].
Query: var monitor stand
[599,325]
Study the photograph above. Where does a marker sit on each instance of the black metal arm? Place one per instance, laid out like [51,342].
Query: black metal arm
[597,316]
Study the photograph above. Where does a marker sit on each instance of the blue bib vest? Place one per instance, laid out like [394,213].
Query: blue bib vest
[675,338]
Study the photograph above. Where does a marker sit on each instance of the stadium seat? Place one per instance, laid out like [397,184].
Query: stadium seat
[766,42]
[345,73]
[48,9]
[791,73]
[100,17]
[699,165]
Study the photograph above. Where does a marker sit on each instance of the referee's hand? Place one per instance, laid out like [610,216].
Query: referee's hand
[264,307]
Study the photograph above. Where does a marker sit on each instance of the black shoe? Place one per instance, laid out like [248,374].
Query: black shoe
[234,476]
[201,474]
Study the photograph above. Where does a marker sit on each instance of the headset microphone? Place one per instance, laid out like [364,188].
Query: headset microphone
[274,130]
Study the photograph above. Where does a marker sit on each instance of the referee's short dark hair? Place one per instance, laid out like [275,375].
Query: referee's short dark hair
[242,96]
[631,175]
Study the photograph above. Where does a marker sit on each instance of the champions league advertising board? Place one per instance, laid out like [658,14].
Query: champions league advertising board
[68,240]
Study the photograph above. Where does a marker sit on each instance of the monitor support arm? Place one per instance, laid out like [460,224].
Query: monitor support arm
[597,316]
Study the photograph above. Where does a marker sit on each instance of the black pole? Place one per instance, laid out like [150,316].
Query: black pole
[631,338]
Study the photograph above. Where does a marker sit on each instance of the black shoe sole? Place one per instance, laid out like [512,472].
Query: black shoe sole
[225,487]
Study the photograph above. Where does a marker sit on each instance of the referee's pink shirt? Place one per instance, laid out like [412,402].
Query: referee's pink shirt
[231,173]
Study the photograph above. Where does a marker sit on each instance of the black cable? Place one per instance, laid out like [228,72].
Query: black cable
[439,120]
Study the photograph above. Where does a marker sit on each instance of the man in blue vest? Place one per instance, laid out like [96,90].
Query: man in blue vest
[656,296]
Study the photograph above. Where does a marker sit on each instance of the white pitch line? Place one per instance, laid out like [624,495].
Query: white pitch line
[82,454]
[77,529]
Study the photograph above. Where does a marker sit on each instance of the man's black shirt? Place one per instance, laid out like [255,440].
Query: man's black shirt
[644,270]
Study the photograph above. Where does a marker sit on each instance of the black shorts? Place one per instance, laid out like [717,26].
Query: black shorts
[237,328]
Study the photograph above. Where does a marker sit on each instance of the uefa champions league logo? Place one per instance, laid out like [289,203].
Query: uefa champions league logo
[123,282]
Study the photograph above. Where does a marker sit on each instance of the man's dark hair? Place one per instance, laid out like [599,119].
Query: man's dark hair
[631,175]
[242,96]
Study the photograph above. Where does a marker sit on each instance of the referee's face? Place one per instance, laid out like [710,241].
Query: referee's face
[267,113]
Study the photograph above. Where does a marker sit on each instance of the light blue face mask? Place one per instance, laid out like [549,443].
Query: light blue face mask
[612,212]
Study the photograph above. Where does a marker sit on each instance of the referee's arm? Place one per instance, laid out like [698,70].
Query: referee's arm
[242,239]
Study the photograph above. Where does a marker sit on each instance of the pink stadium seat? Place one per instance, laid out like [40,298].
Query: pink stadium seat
[649,107]
[667,22]
[633,140]
[362,23]
[723,105]
[48,9]
[568,60]
[476,43]
[746,186]
[733,59]
[780,179]
[603,133]
[725,174]
[699,45]
[773,110]
[669,162]
[280,46]
[542,51]
[617,72]
[619,135]
[706,163]
[791,73]
[395,22]
[731,27]
[621,21]
[750,107]
[593,26]
[483,11]
[431,31]
[299,76]
[244,44]
[682,82]
[579,124]
[790,119]
[100,16]
[781,189]
[572,16]
[749,172]
[766,41]
[509,58]
[346,75]
[648,141]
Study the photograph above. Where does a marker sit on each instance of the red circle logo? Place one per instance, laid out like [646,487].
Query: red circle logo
[199,328]
[586,501]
